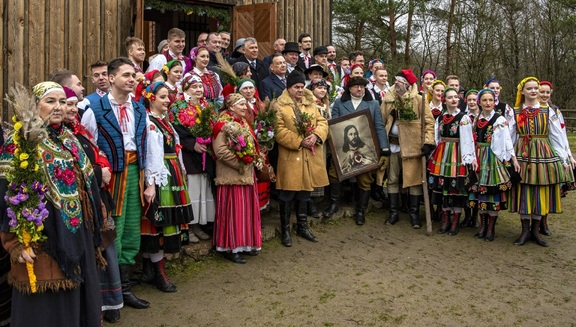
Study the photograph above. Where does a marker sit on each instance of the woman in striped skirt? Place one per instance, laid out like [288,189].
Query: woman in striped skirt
[447,166]
[543,166]
[494,152]
[237,222]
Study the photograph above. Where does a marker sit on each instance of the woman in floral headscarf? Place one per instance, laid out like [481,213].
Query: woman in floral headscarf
[237,227]
[63,289]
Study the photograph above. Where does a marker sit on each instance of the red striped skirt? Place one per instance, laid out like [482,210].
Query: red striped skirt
[237,225]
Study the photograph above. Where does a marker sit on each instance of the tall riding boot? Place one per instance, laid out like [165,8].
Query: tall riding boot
[544,230]
[437,213]
[284,208]
[376,192]
[445,222]
[361,206]
[129,298]
[455,227]
[147,275]
[414,211]
[393,199]
[334,200]
[161,281]
[474,219]
[525,235]
[311,209]
[483,226]
[536,233]
[467,217]
[490,230]
[405,200]
[302,223]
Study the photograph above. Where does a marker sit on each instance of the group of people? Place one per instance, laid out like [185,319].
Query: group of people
[185,148]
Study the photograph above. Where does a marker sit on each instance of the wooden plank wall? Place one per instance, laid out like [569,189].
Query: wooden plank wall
[40,36]
[298,16]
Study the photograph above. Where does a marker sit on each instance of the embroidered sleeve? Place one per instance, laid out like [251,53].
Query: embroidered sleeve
[467,146]
[556,136]
[155,172]
[501,143]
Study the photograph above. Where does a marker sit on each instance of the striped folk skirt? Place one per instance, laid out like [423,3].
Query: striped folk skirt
[493,180]
[237,225]
[448,179]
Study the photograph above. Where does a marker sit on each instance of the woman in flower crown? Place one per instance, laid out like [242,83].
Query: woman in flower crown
[494,153]
[172,73]
[237,227]
[63,253]
[171,209]
[543,163]
[448,164]
[198,161]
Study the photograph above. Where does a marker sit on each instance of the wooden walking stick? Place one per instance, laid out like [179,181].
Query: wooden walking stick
[424,179]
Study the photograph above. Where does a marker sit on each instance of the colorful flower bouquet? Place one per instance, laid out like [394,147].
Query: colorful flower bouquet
[25,195]
[241,143]
[199,120]
[265,126]
[304,125]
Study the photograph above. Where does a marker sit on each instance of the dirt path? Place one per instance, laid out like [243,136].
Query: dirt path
[379,275]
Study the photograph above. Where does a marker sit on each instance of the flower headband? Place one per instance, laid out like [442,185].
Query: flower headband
[166,68]
[373,61]
[149,91]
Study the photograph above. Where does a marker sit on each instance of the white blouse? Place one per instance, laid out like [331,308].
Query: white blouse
[466,143]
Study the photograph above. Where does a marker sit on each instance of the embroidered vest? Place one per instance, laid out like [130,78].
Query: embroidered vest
[110,139]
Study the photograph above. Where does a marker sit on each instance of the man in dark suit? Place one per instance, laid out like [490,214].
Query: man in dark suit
[250,56]
[305,59]
[273,85]
[290,53]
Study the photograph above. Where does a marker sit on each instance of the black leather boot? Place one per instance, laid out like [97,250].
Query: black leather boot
[334,200]
[361,206]
[414,211]
[536,233]
[483,226]
[112,316]
[311,209]
[445,222]
[284,208]
[467,217]
[455,226]
[474,219]
[376,192]
[393,199]
[405,200]
[525,235]
[436,213]
[544,230]
[302,223]
[129,298]
[147,275]
[161,281]
[490,230]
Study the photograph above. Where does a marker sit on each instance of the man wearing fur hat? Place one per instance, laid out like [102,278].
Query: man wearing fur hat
[356,98]
[402,110]
[301,165]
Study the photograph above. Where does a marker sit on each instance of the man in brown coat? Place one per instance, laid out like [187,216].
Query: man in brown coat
[301,165]
[402,110]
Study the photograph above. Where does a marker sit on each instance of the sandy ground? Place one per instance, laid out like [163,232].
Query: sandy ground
[379,275]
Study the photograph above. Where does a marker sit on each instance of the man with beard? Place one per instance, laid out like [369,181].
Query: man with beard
[332,66]
[305,59]
[356,98]
[407,169]
[356,153]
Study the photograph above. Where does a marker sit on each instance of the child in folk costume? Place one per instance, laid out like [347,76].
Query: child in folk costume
[448,163]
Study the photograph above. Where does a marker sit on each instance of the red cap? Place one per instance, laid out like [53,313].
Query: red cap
[408,75]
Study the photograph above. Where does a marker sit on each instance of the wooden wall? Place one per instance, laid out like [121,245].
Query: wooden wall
[298,16]
[40,36]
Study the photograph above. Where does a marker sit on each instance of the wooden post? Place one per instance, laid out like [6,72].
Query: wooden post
[424,179]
